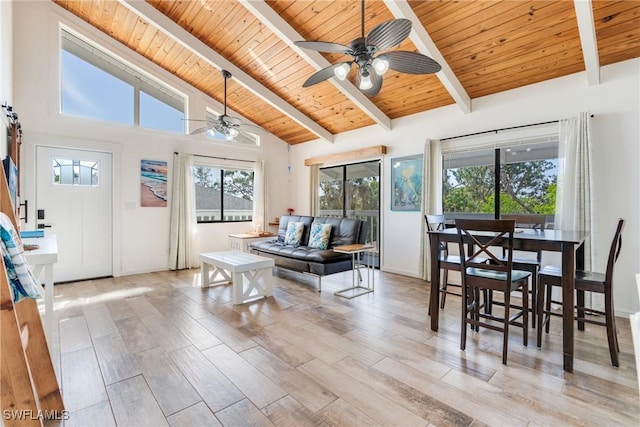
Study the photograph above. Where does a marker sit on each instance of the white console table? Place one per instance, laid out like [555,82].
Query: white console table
[241,242]
[41,261]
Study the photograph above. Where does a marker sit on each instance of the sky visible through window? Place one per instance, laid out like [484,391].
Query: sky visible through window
[88,91]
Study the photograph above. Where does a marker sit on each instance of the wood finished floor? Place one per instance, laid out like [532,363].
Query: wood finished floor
[154,349]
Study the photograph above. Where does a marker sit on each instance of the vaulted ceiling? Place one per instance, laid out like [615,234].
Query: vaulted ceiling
[483,46]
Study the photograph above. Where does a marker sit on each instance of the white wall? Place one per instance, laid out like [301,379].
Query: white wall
[6,62]
[616,159]
[141,235]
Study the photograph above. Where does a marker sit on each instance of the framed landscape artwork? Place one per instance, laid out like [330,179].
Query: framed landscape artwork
[153,183]
[406,183]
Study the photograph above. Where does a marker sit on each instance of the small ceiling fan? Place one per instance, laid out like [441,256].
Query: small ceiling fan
[371,67]
[226,125]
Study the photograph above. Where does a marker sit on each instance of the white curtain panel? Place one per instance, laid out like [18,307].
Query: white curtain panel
[259,194]
[314,182]
[431,198]
[182,253]
[573,197]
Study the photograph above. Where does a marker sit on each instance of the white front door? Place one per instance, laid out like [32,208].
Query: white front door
[74,203]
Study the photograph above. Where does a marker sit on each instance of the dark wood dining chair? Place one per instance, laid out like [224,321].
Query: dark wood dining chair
[585,281]
[496,276]
[447,262]
[532,265]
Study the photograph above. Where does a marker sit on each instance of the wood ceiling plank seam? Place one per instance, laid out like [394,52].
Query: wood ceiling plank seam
[613,11]
[174,62]
[202,16]
[522,25]
[108,14]
[323,25]
[146,39]
[458,14]
[155,45]
[237,26]
[297,10]
[170,49]
[85,9]
[621,28]
[138,32]
[614,57]
[533,46]
[489,87]
[548,54]
[189,40]
[628,47]
[436,12]
[235,44]
[537,71]
[119,19]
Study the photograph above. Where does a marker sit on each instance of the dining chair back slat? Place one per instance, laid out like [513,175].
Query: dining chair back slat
[483,279]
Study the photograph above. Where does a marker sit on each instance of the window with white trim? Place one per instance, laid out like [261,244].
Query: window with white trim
[96,85]
[223,194]
[527,176]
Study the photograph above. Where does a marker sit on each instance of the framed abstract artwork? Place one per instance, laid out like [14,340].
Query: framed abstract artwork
[406,183]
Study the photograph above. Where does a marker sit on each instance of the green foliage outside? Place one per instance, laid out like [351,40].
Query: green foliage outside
[526,188]
[362,194]
[237,183]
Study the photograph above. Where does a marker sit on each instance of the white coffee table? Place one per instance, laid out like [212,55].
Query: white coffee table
[233,267]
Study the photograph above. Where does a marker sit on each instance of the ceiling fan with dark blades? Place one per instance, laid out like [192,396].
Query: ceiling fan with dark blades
[371,65]
[226,125]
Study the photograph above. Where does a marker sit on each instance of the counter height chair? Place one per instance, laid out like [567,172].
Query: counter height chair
[495,276]
[447,262]
[532,265]
[585,281]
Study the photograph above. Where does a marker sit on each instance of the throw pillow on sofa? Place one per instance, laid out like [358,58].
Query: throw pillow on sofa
[319,238]
[293,236]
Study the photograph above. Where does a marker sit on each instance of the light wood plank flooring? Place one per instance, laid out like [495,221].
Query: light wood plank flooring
[154,349]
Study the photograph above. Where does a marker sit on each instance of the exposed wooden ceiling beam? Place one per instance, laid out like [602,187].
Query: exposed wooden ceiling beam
[274,22]
[587,29]
[426,46]
[180,35]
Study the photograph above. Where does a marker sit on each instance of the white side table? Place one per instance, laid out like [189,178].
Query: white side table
[357,251]
[241,242]
[234,266]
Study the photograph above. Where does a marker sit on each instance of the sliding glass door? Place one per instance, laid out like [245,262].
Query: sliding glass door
[352,191]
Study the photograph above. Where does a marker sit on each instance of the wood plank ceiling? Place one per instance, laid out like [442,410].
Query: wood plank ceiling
[490,46]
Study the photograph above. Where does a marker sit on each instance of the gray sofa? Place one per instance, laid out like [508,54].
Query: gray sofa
[316,262]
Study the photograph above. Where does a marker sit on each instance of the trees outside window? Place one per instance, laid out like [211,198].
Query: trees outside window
[223,195]
[527,181]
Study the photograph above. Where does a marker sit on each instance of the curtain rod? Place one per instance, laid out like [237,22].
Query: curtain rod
[220,158]
[501,129]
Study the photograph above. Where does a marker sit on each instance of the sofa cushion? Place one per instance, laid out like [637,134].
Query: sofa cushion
[293,236]
[319,238]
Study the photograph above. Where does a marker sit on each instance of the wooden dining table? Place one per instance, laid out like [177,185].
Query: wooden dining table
[569,243]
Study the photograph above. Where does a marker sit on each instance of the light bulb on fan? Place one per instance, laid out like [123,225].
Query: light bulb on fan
[365,81]
[380,64]
[341,71]
[231,133]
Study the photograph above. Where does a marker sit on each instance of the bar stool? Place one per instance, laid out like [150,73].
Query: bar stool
[585,281]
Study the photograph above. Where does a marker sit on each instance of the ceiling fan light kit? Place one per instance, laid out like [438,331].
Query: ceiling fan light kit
[229,127]
[371,68]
